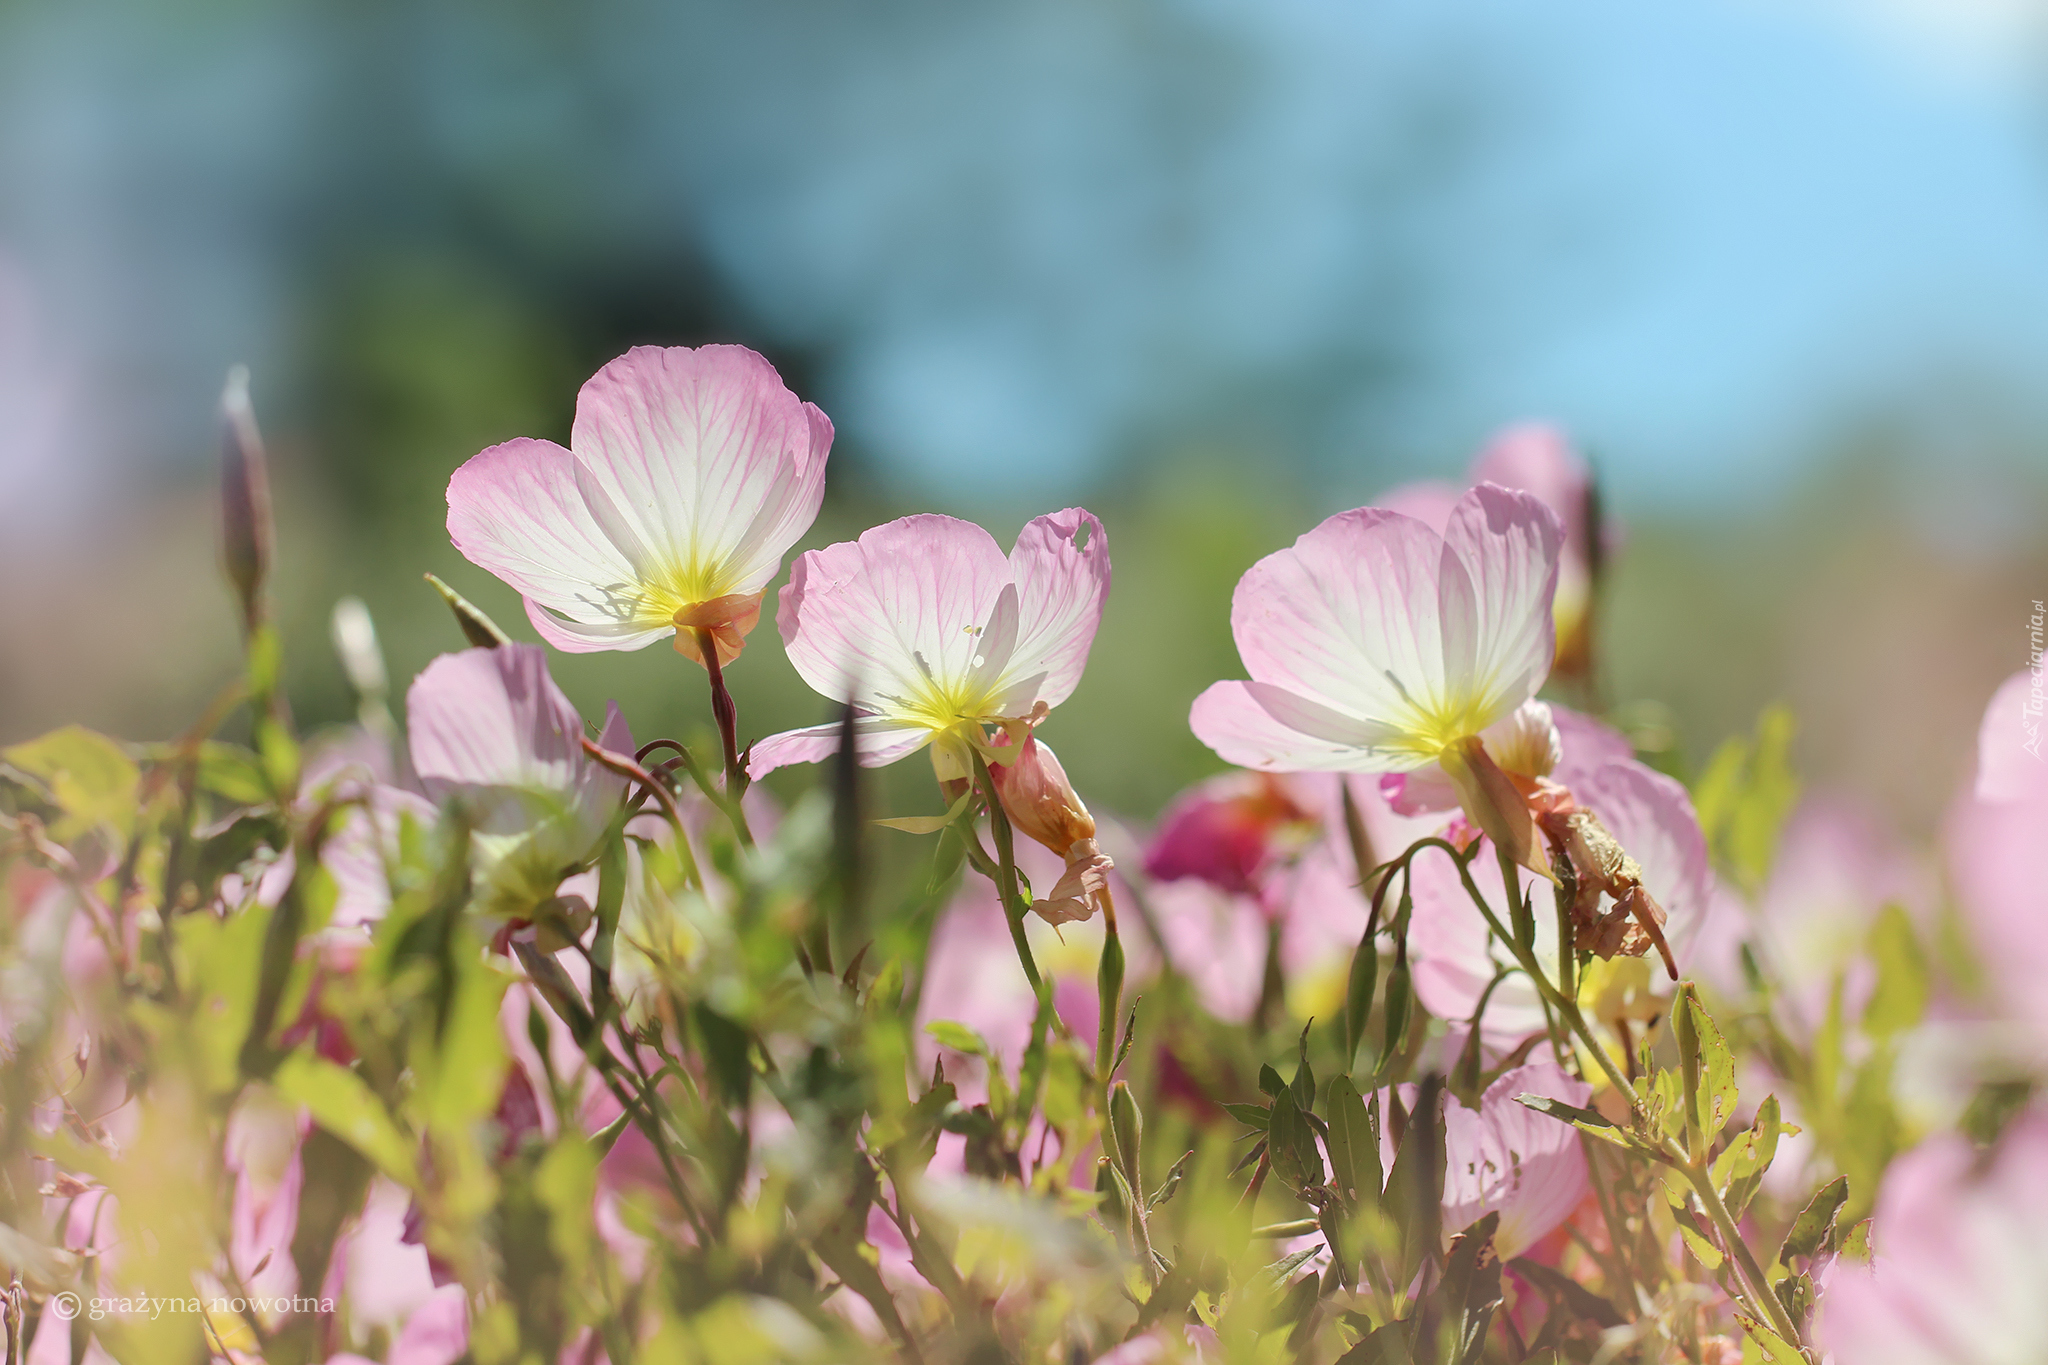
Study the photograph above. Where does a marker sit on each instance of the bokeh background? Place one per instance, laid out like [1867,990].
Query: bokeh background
[1214,270]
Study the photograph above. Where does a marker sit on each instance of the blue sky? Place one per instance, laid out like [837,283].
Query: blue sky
[1028,242]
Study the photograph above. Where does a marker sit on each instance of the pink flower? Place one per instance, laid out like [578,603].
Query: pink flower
[690,473]
[1960,1266]
[935,636]
[1506,1158]
[2011,764]
[1043,804]
[1377,645]
[490,730]
[1537,458]
[1229,830]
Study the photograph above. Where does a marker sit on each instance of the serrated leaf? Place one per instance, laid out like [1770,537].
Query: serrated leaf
[1738,1172]
[1816,1222]
[1706,1065]
[1855,1243]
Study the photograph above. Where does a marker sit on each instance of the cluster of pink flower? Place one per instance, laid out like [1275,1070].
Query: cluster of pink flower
[1389,733]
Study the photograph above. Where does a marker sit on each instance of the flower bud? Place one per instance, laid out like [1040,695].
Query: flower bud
[728,618]
[246,531]
[1040,801]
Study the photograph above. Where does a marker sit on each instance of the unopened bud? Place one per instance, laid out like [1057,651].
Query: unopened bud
[246,531]
[1040,801]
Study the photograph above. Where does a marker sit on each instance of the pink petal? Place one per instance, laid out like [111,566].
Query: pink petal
[875,619]
[1259,726]
[1998,859]
[493,717]
[1652,817]
[1500,640]
[2007,769]
[1061,587]
[879,741]
[1538,458]
[515,511]
[702,456]
[1349,606]
[1504,1157]
[1588,744]
[438,1331]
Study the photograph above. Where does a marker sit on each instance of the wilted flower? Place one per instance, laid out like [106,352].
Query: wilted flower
[1041,802]
[1376,645]
[489,729]
[690,473]
[935,637]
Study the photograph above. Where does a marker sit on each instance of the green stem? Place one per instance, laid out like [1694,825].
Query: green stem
[1702,1181]
[1014,909]
[727,714]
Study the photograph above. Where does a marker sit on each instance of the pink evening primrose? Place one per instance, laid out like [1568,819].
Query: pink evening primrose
[1959,1267]
[690,473]
[490,731]
[1377,645]
[1506,1158]
[935,637]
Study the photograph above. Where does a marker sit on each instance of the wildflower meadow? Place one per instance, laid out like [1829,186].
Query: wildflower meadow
[1447,1025]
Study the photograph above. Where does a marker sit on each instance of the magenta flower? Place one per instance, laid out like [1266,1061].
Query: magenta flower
[1958,1275]
[690,474]
[1506,1158]
[1377,645]
[936,637]
[490,731]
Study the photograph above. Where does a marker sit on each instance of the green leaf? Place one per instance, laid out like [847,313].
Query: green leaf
[1400,996]
[1696,1239]
[1900,998]
[1708,1068]
[1415,1185]
[1304,1083]
[1738,1172]
[1358,993]
[929,824]
[1471,1290]
[1795,1292]
[1171,1185]
[1771,1348]
[341,1103]
[1585,1120]
[1745,795]
[726,1046]
[1270,1082]
[1814,1226]
[1354,1143]
[92,778]
[1256,1116]
[1293,1144]
[959,1037]
[232,773]
[1855,1243]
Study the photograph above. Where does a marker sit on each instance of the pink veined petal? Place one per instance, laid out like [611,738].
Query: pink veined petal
[876,619]
[1504,1157]
[1347,615]
[1061,587]
[881,742]
[1500,640]
[579,637]
[706,455]
[515,511]
[1453,957]
[493,717]
[599,790]
[1538,458]
[1258,726]
[2007,770]
[1588,744]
